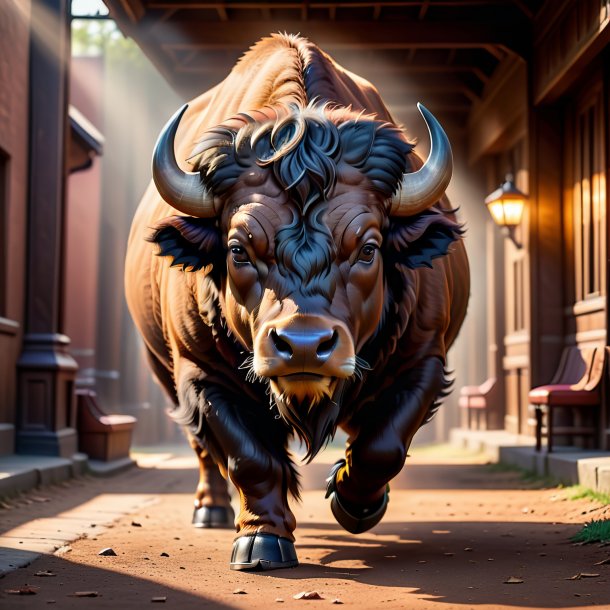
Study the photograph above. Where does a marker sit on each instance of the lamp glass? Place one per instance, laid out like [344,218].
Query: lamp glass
[506,205]
[513,211]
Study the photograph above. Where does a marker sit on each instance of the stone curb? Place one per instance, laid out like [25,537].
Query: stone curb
[568,465]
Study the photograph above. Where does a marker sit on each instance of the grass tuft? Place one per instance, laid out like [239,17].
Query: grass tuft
[578,492]
[597,530]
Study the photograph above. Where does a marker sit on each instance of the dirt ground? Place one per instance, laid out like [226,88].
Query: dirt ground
[457,534]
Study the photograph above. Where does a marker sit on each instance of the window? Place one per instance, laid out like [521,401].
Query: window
[589,199]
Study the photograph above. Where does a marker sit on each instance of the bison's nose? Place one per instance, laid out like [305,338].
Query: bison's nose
[304,345]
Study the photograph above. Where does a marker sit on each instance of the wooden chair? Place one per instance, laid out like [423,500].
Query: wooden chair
[576,387]
[477,400]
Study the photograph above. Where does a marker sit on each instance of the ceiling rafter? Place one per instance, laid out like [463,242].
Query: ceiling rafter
[446,50]
[495,37]
[165,4]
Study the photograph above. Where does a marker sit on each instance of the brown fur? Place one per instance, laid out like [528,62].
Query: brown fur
[201,339]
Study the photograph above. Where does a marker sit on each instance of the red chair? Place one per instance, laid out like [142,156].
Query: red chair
[477,400]
[576,387]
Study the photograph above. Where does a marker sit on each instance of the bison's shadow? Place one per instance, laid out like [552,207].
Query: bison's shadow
[461,562]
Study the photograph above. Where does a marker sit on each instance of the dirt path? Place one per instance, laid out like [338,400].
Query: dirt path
[454,533]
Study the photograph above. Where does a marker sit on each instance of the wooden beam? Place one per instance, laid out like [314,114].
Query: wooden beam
[316,4]
[167,15]
[134,9]
[222,12]
[497,37]
[524,8]
[423,10]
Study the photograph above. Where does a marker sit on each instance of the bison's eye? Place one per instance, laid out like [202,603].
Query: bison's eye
[240,256]
[367,254]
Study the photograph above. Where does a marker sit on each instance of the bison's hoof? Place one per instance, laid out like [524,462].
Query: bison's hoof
[354,518]
[263,552]
[214,516]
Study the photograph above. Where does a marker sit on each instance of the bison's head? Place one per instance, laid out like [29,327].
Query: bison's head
[295,210]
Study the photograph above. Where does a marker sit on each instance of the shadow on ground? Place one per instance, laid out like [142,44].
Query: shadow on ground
[117,591]
[463,562]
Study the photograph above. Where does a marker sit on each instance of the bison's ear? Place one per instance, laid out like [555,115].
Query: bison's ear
[415,241]
[192,243]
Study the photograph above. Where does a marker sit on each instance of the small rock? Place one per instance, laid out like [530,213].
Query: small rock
[136,524]
[513,580]
[468,549]
[449,554]
[240,592]
[85,594]
[308,595]
[45,573]
[164,554]
[279,600]
[336,601]
[582,575]
[161,599]
[107,552]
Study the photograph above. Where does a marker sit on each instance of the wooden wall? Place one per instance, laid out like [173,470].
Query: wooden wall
[548,121]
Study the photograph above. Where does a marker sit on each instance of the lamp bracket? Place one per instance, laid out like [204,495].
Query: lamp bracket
[510,233]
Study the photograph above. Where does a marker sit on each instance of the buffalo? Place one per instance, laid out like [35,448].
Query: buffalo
[306,272]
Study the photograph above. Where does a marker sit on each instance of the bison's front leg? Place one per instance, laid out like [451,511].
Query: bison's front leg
[260,470]
[212,501]
[358,486]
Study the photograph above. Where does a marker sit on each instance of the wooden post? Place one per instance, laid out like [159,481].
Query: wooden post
[46,371]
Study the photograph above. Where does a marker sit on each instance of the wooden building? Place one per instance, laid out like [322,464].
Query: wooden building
[522,87]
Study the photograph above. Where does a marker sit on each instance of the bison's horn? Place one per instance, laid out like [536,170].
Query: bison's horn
[423,188]
[184,191]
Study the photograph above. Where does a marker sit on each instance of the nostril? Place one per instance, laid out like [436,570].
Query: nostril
[282,346]
[326,347]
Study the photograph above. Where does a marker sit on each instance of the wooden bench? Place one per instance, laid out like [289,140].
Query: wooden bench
[101,436]
[477,401]
[576,387]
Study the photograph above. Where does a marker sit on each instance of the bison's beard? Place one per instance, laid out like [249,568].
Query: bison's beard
[310,406]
